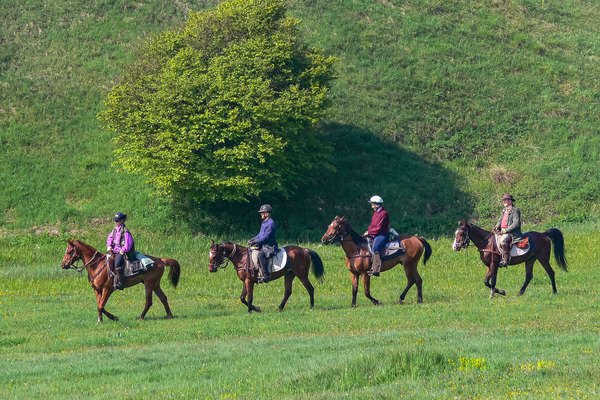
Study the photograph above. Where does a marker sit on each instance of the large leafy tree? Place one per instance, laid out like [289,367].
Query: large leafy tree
[225,107]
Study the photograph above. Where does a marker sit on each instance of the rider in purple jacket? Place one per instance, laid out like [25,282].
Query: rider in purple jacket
[120,243]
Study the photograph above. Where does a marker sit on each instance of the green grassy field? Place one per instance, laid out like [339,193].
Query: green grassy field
[457,344]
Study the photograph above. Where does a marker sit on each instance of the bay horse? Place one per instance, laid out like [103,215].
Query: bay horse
[490,256]
[101,277]
[299,261]
[358,258]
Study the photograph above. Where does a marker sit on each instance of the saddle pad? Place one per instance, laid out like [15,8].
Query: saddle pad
[276,263]
[393,248]
[515,250]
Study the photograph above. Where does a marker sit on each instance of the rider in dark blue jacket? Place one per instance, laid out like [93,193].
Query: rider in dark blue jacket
[265,239]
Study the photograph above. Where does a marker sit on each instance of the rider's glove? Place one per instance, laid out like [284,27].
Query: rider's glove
[109,249]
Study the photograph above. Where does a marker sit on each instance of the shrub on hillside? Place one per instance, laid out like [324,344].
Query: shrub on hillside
[224,108]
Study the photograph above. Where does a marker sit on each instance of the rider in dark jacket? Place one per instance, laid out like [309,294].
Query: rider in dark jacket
[265,240]
[509,227]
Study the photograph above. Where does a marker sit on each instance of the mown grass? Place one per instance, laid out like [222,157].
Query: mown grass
[458,343]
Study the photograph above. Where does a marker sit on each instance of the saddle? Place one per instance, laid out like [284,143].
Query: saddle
[393,247]
[519,247]
[275,263]
[138,266]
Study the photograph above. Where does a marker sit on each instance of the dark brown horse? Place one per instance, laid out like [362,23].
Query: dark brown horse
[490,256]
[101,276]
[299,261]
[358,258]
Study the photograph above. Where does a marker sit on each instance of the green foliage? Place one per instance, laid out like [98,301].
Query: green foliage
[224,108]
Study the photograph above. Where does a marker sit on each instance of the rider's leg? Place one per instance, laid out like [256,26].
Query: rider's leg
[378,247]
[119,269]
[505,245]
[264,267]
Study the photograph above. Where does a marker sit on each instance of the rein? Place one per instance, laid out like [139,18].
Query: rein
[79,269]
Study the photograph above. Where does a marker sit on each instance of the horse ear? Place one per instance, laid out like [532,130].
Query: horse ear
[342,218]
[71,241]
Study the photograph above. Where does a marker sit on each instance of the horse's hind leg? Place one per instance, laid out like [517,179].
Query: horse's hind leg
[287,288]
[528,275]
[163,298]
[367,286]
[148,288]
[546,264]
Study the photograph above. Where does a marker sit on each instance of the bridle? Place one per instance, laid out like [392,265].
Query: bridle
[226,259]
[76,257]
[466,240]
[337,234]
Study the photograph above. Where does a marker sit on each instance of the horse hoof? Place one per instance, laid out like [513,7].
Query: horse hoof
[419,301]
[502,292]
[353,306]
[257,309]
[376,303]
[400,301]
[170,316]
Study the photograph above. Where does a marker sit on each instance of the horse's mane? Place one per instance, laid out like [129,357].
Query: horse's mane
[74,241]
[356,238]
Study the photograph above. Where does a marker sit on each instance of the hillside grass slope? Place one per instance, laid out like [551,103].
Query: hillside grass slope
[439,106]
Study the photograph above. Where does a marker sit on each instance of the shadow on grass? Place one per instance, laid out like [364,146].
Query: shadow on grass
[421,196]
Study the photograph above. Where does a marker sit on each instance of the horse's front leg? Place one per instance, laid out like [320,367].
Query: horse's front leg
[367,288]
[354,287]
[250,290]
[102,300]
[490,281]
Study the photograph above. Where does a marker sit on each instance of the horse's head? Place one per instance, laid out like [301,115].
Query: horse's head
[461,236]
[72,254]
[339,227]
[217,257]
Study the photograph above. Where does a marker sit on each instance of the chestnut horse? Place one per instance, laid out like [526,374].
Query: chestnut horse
[490,256]
[299,261]
[101,277]
[358,258]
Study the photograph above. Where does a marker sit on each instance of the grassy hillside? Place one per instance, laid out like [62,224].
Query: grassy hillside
[440,106]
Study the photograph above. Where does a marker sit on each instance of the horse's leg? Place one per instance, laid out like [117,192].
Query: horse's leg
[545,261]
[250,290]
[106,291]
[148,288]
[493,284]
[419,282]
[287,288]
[528,275]
[163,298]
[309,288]
[367,287]
[243,294]
[355,278]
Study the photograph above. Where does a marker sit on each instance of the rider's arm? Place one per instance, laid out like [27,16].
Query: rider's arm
[109,240]
[265,232]
[128,243]
[516,221]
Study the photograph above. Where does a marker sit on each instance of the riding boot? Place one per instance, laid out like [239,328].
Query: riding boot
[120,278]
[375,265]
[505,258]
[264,267]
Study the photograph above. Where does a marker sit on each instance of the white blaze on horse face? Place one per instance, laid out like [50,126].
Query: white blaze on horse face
[455,245]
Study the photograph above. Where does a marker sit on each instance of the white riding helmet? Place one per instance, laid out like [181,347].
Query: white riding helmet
[376,199]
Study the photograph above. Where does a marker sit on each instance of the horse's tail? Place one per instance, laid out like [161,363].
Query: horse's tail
[317,265]
[559,246]
[174,271]
[427,250]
